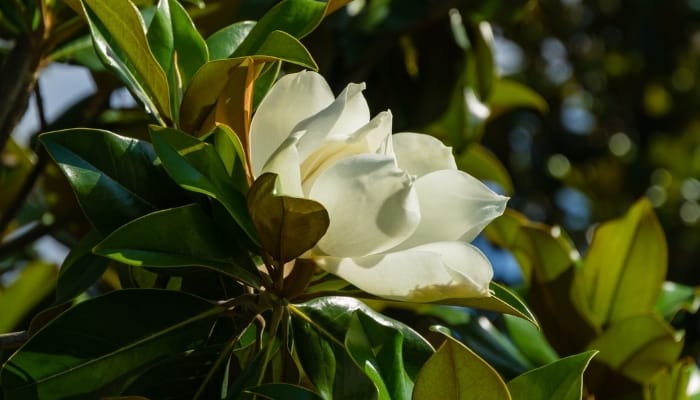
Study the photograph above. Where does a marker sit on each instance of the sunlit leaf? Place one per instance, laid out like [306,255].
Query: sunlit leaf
[529,340]
[119,35]
[177,46]
[639,347]
[195,165]
[107,169]
[675,297]
[625,267]
[502,300]
[62,362]
[456,372]
[34,282]
[177,237]
[672,384]
[287,226]
[225,41]
[561,380]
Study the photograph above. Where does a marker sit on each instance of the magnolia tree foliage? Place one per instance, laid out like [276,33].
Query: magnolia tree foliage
[267,239]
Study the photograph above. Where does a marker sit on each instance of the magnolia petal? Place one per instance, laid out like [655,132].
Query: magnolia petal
[374,137]
[348,113]
[453,205]
[427,273]
[419,154]
[371,204]
[285,163]
[291,99]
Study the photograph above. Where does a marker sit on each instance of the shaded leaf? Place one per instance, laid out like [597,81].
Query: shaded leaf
[287,226]
[120,40]
[35,281]
[639,347]
[177,237]
[529,340]
[479,162]
[81,269]
[508,94]
[625,267]
[107,169]
[195,166]
[456,372]
[283,391]
[62,362]
[561,380]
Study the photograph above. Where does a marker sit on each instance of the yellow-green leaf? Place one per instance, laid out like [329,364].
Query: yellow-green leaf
[36,281]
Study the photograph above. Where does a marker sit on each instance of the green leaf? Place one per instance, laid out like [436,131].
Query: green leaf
[81,269]
[90,339]
[35,282]
[286,226]
[456,372]
[177,46]
[118,32]
[561,380]
[283,46]
[481,65]
[503,301]
[529,340]
[107,169]
[639,347]
[508,94]
[296,17]
[231,153]
[283,391]
[225,41]
[624,269]
[675,298]
[177,237]
[326,329]
[195,166]
[377,349]
[479,162]
[673,384]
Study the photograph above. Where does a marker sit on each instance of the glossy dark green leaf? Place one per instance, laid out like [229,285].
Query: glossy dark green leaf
[502,300]
[177,46]
[34,282]
[283,46]
[178,376]
[456,372]
[177,237]
[231,153]
[639,347]
[625,267]
[283,391]
[286,226]
[675,297]
[326,329]
[561,380]
[296,17]
[225,41]
[63,361]
[195,165]
[81,269]
[114,177]
[377,350]
[119,35]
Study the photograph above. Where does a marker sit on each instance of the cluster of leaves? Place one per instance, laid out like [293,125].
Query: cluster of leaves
[210,300]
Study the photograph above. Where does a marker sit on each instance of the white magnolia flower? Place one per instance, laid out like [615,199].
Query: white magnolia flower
[401,213]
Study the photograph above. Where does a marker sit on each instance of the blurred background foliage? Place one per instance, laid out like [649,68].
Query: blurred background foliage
[620,82]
